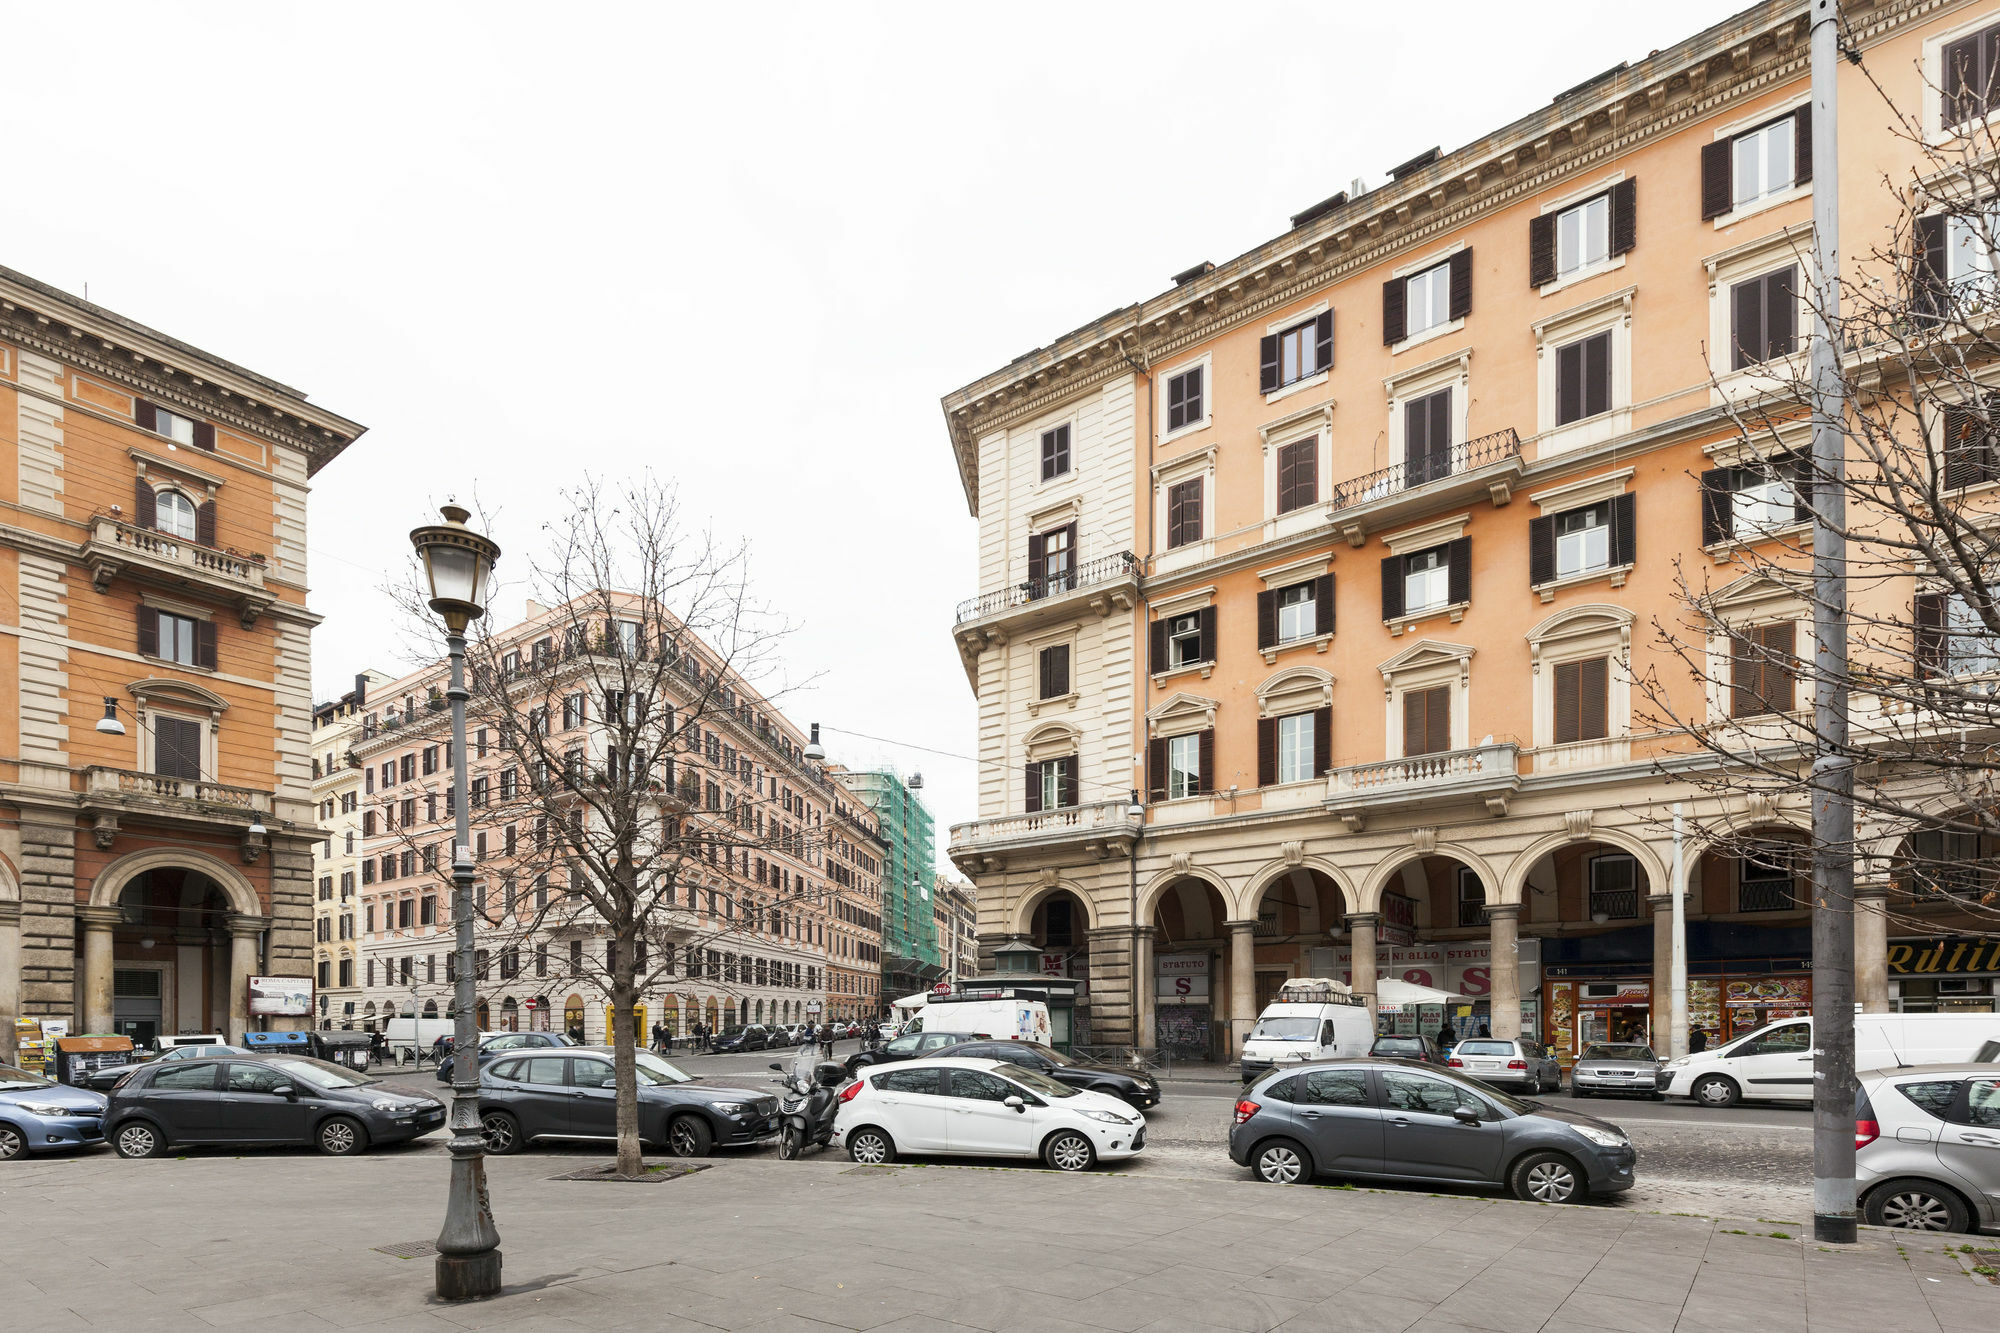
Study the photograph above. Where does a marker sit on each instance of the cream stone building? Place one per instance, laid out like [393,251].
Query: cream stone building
[337,860]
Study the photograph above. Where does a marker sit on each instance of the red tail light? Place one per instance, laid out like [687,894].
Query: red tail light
[1513,1064]
[1866,1132]
[1245,1109]
[853,1090]
[1456,1063]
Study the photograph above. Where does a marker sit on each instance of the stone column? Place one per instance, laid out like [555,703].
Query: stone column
[1242,983]
[1662,1013]
[10,978]
[1361,943]
[243,933]
[1503,928]
[1143,988]
[99,1015]
[1871,947]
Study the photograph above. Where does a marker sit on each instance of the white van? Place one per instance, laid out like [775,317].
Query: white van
[1006,1019]
[1775,1063]
[1315,1018]
[407,1037]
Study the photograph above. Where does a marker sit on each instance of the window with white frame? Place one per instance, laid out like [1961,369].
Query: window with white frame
[1298,353]
[1427,300]
[1970,647]
[1055,452]
[178,636]
[1583,235]
[1583,540]
[1184,639]
[1183,766]
[1969,77]
[1426,581]
[1471,898]
[1298,613]
[174,514]
[174,426]
[1295,747]
[1186,398]
[1762,161]
[176,746]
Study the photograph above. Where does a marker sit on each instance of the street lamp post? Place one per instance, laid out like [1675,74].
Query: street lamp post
[457,563]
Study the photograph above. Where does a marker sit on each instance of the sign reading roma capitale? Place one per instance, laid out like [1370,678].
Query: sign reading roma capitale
[1942,955]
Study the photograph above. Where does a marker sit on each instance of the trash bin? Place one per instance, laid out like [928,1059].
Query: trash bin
[279,1043]
[350,1050]
[77,1057]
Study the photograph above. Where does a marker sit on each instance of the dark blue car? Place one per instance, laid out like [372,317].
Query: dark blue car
[504,1042]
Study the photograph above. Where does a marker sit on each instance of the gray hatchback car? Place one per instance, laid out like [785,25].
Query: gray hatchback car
[1927,1147]
[1388,1119]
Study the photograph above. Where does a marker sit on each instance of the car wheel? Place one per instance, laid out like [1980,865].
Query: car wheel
[1916,1205]
[689,1136]
[12,1143]
[340,1137]
[137,1138]
[1715,1091]
[1547,1177]
[871,1146]
[502,1133]
[1069,1151]
[1282,1162]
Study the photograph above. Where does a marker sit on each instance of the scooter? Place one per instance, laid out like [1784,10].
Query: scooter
[809,1104]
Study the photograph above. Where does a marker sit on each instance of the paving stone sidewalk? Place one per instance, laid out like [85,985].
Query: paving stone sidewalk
[295,1242]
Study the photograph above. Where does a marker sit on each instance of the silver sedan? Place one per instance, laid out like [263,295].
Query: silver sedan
[1616,1070]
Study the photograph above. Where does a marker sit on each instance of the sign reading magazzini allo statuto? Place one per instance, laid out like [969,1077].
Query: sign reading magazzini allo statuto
[281,997]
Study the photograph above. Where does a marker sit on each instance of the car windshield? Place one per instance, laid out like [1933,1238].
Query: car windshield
[1039,1082]
[320,1074]
[1619,1053]
[12,1078]
[1285,1029]
[652,1069]
[1398,1045]
[1485,1048]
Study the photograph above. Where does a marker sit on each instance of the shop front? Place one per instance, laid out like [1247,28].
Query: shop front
[1183,1010]
[1944,974]
[1462,967]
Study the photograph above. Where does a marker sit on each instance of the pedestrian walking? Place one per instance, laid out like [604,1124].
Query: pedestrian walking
[666,1039]
[1697,1041]
[1447,1037]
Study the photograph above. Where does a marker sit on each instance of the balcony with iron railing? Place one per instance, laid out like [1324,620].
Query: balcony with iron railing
[150,556]
[1487,465]
[1107,579]
[1100,829]
[1489,773]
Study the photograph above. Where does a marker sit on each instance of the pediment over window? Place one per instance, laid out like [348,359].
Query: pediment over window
[1293,690]
[1754,591]
[185,694]
[1180,713]
[1428,653]
[1587,625]
[1051,740]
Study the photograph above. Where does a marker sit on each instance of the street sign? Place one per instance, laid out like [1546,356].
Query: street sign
[942,988]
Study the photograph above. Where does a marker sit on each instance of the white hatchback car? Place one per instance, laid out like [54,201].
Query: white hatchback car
[982,1108]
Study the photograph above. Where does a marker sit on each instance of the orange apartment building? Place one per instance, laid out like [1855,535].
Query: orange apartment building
[155,572]
[1342,557]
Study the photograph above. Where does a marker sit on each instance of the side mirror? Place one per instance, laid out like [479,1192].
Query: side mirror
[775,1065]
[285,1090]
[1020,1107]
[1466,1115]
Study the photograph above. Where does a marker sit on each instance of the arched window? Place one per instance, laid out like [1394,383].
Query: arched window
[174,515]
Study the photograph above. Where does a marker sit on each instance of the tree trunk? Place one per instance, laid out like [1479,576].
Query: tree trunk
[624,996]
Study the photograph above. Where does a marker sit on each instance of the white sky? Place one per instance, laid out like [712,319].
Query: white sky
[749,247]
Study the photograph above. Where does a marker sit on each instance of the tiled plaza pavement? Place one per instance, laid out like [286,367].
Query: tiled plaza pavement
[286,1241]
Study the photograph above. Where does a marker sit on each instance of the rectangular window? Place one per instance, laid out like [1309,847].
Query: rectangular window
[405,913]
[174,426]
[1054,662]
[1186,403]
[1183,766]
[176,746]
[1967,77]
[1426,581]
[1471,898]
[1582,694]
[1583,540]
[1583,378]
[430,760]
[1427,300]
[1059,558]
[1298,475]
[1614,887]
[1762,678]
[1764,879]
[428,914]
[1764,317]
[1184,512]
[1184,639]
[1583,235]
[1057,785]
[409,763]
[1970,645]
[1298,614]
[1761,162]
[1427,721]
[1296,761]
[1760,502]
[1298,353]
[1055,452]
[1427,438]
[178,635]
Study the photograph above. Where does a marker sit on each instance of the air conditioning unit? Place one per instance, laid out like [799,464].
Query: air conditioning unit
[1961,986]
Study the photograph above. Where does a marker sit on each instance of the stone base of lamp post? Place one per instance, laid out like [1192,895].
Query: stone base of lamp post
[465,1277]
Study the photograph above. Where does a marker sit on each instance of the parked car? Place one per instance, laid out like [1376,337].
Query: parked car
[888,1031]
[279,1099]
[1305,1025]
[982,1108]
[754,1037]
[1137,1090]
[1403,1047]
[1384,1119]
[906,1047]
[1506,1062]
[1612,1070]
[572,1094]
[103,1080]
[498,1043]
[1927,1147]
[1775,1062]
[39,1114]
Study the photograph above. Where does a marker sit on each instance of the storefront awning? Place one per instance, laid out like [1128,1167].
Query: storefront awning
[1391,994]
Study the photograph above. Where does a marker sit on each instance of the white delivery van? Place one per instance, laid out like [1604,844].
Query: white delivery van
[1775,1063]
[407,1037]
[988,1019]
[1314,1018]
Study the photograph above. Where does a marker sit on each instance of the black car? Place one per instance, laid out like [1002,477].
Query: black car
[906,1047]
[572,1094]
[755,1037]
[1407,1046]
[105,1078]
[281,1099]
[498,1045]
[1136,1090]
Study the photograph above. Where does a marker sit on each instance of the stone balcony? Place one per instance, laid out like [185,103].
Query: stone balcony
[162,560]
[1106,828]
[1097,587]
[109,793]
[1487,773]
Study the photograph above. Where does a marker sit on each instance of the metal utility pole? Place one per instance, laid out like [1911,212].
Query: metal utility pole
[1833,772]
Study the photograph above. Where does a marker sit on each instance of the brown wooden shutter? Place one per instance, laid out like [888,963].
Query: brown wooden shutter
[1156,768]
[1395,313]
[1067,777]
[1437,717]
[149,632]
[1458,570]
[1392,587]
[1267,618]
[1624,216]
[1298,475]
[1323,339]
[1930,653]
[1414,721]
[1928,278]
[143,414]
[1744,668]
[1033,803]
[1060,653]
[1569,383]
[1802,163]
[1042,687]
[1597,374]
[145,504]
[1716,163]
[1593,698]
[1624,529]
[1958,469]
[1746,323]
[1781,312]
[1177,402]
[1267,363]
[1323,604]
[1205,751]
[1156,660]
[1208,634]
[1716,510]
[1322,741]
[1461,283]
[1542,250]
[1780,686]
[204,435]
[1542,551]
[204,523]
[1267,751]
[204,644]
[1568,702]
[1036,560]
